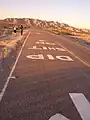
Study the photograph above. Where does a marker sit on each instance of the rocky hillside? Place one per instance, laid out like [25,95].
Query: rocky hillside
[52,26]
[35,22]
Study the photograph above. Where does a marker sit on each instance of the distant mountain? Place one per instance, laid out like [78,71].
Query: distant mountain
[50,25]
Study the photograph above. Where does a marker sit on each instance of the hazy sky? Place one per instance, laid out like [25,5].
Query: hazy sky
[72,12]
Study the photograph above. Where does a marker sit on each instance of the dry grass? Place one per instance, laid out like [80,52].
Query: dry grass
[84,38]
[11,43]
[81,36]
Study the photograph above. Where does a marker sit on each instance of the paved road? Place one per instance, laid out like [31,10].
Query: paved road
[9,61]
[48,70]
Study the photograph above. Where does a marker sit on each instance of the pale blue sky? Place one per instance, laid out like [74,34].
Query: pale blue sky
[72,12]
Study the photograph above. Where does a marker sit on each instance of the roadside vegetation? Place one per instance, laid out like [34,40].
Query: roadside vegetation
[77,35]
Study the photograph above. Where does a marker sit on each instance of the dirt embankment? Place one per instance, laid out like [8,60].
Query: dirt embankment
[15,41]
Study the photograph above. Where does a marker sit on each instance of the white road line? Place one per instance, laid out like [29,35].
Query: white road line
[38,33]
[13,68]
[44,48]
[60,49]
[64,58]
[84,62]
[35,48]
[41,40]
[58,117]
[50,57]
[37,57]
[82,105]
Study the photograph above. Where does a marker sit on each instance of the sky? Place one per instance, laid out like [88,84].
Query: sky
[72,12]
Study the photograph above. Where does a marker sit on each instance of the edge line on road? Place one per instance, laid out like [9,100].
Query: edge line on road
[82,105]
[84,62]
[12,70]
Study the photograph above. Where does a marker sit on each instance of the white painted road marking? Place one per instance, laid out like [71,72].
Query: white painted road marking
[38,33]
[13,68]
[47,48]
[42,40]
[35,48]
[50,57]
[58,117]
[51,48]
[82,105]
[61,49]
[64,58]
[82,61]
[45,43]
[38,57]
[13,77]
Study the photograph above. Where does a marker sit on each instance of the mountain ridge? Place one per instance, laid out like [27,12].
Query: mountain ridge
[42,23]
[52,26]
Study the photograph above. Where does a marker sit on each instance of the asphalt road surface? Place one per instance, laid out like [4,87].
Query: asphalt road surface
[52,76]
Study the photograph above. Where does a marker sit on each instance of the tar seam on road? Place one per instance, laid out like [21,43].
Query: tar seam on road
[13,68]
[84,62]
